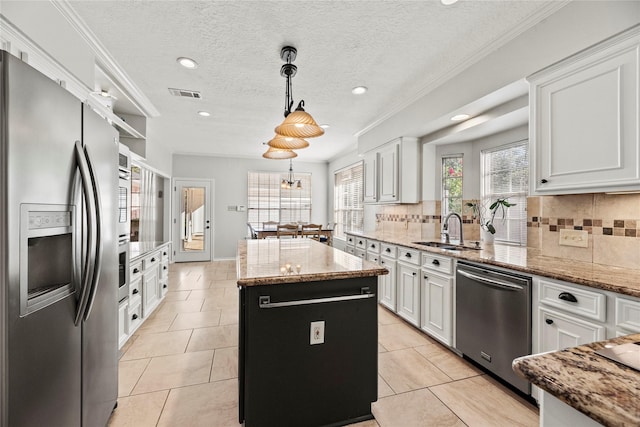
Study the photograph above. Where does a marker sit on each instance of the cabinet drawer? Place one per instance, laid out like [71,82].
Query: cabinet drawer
[164,256]
[360,253]
[361,243]
[574,300]
[135,270]
[150,260]
[389,251]
[373,246]
[351,241]
[164,269]
[134,288]
[373,257]
[164,288]
[410,256]
[441,264]
[135,317]
[628,314]
[350,250]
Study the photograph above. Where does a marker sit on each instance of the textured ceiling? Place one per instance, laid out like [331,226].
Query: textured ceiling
[398,49]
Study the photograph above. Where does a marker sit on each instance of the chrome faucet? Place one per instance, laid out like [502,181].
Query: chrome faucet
[445,227]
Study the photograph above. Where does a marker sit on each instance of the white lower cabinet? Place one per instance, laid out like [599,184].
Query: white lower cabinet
[408,293]
[558,331]
[150,292]
[387,284]
[123,322]
[436,304]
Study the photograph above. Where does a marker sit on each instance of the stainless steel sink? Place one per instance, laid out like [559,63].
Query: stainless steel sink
[449,246]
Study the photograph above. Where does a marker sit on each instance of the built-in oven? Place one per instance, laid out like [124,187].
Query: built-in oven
[124,192]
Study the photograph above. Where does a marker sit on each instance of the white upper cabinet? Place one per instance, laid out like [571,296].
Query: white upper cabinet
[392,172]
[584,120]
[370,177]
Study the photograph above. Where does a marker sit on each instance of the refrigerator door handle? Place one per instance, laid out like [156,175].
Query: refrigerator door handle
[89,257]
[97,207]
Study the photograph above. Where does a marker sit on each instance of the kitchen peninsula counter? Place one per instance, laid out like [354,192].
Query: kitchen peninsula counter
[615,279]
[308,335]
[604,390]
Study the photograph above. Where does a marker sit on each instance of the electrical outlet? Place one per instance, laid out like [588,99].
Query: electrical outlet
[317,333]
[577,238]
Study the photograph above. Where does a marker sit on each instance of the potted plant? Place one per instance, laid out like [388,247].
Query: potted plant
[487,216]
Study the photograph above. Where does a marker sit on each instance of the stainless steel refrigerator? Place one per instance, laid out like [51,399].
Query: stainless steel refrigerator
[58,255]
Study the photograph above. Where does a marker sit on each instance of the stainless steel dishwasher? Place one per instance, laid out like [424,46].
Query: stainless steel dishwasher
[493,319]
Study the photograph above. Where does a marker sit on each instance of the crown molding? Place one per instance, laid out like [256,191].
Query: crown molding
[443,77]
[106,62]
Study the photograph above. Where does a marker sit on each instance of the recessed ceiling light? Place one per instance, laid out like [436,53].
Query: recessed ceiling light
[204,113]
[448,2]
[460,117]
[187,62]
[325,126]
[358,90]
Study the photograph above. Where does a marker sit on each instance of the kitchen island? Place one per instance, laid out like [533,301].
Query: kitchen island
[308,343]
[578,381]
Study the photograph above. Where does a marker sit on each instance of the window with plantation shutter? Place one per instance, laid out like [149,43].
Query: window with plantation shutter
[268,201]
[348,210]
[505,175]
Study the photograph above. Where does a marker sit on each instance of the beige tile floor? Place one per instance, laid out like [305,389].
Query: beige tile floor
[181,367]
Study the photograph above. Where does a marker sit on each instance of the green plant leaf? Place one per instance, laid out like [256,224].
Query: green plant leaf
[491,229]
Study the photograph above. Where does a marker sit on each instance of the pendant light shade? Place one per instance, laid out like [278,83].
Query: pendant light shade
[299,124]
[287,143]
[279,153]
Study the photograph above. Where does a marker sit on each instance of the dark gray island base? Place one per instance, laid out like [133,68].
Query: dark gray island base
[308,350]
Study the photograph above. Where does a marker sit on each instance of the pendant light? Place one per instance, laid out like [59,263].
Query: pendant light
[288,183]
[287,142]
[299,123]
[279,153]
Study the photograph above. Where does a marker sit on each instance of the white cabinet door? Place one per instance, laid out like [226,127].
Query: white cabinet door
[559,330]
[370,173]
[123,323]
[388,171]
[150,291]
[408,284]
[437,306]
[387,284]
[585,119]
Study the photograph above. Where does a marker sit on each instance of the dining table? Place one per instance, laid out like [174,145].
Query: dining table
[263,233]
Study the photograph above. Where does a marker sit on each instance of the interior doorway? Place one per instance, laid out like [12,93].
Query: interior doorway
[192,234]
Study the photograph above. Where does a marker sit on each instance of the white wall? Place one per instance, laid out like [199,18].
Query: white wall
[576,26]
[230,181]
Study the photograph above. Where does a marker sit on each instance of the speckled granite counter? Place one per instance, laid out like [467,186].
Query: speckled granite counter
[604,390]
[615,279]
[272,261]
[137,249]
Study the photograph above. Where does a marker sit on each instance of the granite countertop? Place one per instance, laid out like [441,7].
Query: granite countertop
[604,390]
[138,249]
[265,262]
[615,279]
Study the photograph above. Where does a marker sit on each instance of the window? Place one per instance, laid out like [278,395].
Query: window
[452,184]
[268,201]
[348,210]
[505,174]
[452,190]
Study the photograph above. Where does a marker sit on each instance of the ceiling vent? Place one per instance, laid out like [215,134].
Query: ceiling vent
[185,93]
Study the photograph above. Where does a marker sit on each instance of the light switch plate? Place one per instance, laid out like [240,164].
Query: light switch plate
[577,238]
[317,333]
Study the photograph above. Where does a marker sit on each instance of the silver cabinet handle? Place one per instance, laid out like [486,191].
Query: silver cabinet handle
[491,282]
[265,301]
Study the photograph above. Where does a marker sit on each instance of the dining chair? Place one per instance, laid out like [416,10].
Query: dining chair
[311,231]
[252,231]
[287,230]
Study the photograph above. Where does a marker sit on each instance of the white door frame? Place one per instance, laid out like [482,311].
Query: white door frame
[207,253]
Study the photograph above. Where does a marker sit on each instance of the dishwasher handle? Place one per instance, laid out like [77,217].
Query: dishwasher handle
[491,282]
[264,301]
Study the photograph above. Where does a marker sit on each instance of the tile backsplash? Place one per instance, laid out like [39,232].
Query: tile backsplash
[611,221]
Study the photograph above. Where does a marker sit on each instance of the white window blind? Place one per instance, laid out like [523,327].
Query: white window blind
[348,211]
[268,201]
[505,175]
